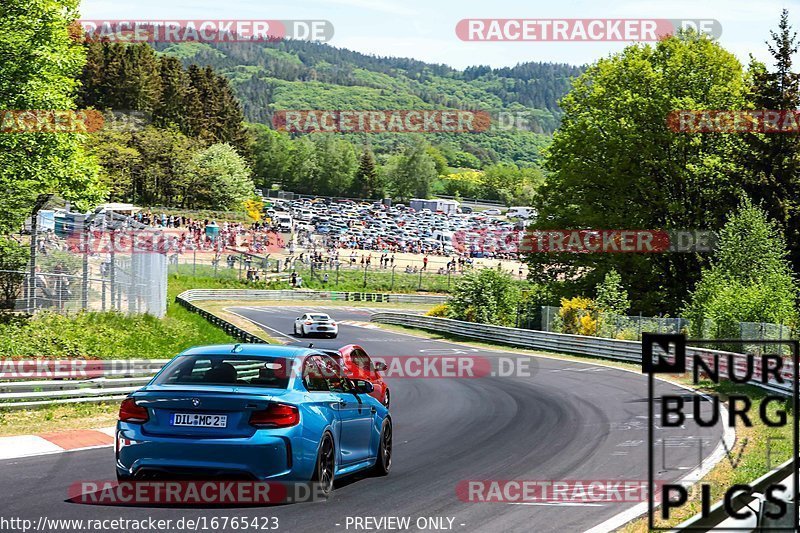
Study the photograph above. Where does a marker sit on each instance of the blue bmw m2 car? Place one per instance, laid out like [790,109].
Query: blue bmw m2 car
[253,411]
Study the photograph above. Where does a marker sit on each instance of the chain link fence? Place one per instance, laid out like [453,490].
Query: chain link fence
[293,271]
[614,326]
[101,262]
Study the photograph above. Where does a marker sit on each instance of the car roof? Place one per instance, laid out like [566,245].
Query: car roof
[271,350]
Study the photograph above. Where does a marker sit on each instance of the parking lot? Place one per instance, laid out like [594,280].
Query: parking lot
[398,229]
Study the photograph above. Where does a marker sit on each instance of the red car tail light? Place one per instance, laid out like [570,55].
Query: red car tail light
[308,323]
[277,415]
[333,323]
[130,412]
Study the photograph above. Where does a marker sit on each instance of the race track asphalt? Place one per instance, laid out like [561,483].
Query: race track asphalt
[557,420]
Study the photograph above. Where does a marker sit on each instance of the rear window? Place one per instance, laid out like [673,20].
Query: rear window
[319,317]
[270,372]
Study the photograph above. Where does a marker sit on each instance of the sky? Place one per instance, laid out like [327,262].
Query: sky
[425,29]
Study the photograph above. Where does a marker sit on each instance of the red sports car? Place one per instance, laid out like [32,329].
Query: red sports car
[358,365]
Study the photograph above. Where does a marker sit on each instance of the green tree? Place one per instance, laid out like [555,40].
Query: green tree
[614,164]
[336,165]
[39,70]
[511,184]
[13,257]
[611,295]
[171,106]
[412,173]
[120,162]
[303,168]
[162,178]
[438,158]
[487,296]
[221,178]
[365,182]
[772,162]
[272,154]
[750,278]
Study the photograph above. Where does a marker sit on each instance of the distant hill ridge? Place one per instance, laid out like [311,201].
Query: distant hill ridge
[269,76]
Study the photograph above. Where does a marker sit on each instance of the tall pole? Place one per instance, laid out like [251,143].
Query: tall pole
[113,270]
[41,200]
[86,247]
[32,278]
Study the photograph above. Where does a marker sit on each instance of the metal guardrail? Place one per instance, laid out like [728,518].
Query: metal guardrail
[717,517]
[601,347]
[253,294]
[185,300]
[25,394]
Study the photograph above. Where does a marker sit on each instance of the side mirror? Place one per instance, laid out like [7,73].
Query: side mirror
[363,386]
[380,367]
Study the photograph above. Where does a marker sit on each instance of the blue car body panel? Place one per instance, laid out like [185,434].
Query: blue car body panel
[239,449]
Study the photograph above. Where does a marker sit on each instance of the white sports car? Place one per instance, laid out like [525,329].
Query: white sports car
[315,324]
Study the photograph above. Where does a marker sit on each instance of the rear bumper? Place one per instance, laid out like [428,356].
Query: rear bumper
[322,329]
[266,455]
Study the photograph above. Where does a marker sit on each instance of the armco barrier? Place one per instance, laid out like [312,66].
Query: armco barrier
[620,350]
[31,394]
[26,394]
[267,295]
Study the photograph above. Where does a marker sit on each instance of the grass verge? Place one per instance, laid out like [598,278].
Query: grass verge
[58,418]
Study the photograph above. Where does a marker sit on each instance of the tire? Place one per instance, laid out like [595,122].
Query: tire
[384,461]
[303,331]
[122,478]
[325,468]
[334,335]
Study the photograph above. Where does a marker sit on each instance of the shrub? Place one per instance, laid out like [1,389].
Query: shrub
[486,296]
[576,316]
[439,310]
[750,279]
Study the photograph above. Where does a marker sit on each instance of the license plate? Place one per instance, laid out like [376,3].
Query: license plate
[199,420]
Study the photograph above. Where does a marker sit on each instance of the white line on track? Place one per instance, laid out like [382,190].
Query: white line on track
[282,334]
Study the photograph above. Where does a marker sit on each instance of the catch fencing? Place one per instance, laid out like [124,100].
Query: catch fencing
[89,262]
[623,327]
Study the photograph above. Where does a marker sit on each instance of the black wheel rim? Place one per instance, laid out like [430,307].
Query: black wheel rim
[386,400]
[325,465]
[387,446]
